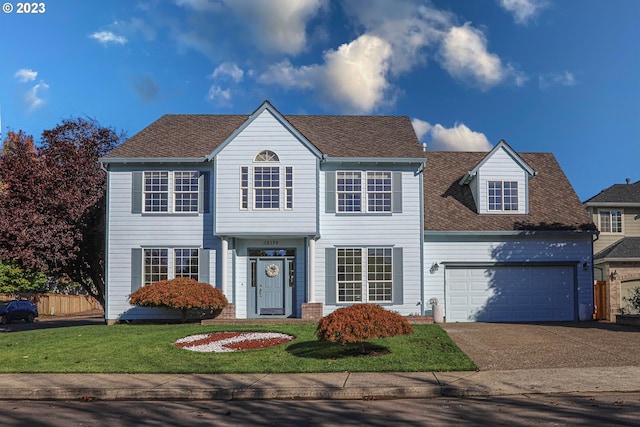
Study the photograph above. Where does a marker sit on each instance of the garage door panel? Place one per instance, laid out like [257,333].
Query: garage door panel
[505,294]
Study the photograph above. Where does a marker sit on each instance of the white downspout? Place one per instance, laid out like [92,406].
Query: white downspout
[223,262]
[312,270]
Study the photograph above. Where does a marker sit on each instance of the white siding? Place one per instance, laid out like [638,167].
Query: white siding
[500,167]
[126,231]
[401,230]
[265,133]
[547,248]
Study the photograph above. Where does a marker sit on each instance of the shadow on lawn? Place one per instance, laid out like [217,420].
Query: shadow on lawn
[327,350]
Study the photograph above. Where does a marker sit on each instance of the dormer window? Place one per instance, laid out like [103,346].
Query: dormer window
[503,195]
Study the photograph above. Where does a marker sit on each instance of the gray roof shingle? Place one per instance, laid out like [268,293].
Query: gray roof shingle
[449,206]
[618,193]
[627,247]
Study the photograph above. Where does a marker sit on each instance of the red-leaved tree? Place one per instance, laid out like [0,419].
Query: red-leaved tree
[52,202]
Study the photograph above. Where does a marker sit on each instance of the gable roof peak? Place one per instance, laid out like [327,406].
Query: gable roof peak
[501,145]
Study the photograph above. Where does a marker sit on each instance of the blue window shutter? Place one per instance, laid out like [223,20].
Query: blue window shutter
[203,266]
[397,192]
[330,276]
[330,201]
[204,196]
[136,269]
[136,192]
[397,276]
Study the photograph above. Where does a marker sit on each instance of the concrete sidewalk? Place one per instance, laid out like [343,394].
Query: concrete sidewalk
[337,386]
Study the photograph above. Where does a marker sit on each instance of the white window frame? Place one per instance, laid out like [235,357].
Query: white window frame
[372,195]
[153,175]
[610,215]
[365,280]
[244,188]
[364,193]
[288,188]
[274,190]
[503,197]
[193,265]
[166,259]
[192,208]
[155,265]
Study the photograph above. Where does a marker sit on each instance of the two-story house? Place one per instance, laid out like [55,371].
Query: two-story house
[616,212]
[295,216]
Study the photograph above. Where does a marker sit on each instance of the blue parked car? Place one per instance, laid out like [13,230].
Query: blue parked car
[18,310]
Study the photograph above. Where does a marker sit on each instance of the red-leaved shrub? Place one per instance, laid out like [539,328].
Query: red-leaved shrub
[181,293]
[361,322]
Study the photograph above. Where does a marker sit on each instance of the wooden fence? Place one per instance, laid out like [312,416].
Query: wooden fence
[59,305]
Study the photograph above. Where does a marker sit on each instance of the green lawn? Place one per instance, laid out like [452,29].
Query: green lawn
[149,349]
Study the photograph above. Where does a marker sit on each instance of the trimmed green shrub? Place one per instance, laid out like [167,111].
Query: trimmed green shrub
[180,293]
[361,322]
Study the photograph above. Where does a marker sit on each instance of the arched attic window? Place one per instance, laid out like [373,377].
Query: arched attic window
[266,156]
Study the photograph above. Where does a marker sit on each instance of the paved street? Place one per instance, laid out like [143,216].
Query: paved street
[619,409]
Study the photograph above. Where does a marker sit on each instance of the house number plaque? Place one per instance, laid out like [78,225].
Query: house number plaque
[270,242]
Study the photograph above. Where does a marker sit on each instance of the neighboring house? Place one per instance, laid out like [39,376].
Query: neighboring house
[616,212]
[295,216]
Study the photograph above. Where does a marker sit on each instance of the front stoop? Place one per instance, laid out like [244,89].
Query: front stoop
[312,310]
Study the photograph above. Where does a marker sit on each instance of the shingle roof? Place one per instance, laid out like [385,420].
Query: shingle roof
[449,206]
[628,247]
[618,193]
[195,136]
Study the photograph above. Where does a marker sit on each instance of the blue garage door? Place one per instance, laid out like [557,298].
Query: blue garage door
[510,294]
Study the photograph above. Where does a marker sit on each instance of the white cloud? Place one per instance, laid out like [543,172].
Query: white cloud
[523,10]
[219,95]
[25,75]
[33,98]
[408,26]
[457,138]
[106,37]
[228,69]
[354,76]
[564,78]
[465,56]
[278,26]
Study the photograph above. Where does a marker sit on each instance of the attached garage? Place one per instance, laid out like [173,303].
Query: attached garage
[510,293]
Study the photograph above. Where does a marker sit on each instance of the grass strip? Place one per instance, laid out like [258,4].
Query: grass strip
[150,349]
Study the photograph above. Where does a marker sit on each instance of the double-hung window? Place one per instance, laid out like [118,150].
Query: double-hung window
[379,191]
[186,263]
[266,186]
[156,191]
[503,195]
[157,264]
[375,286]
[349,191]
[611,221]
[185,185]
[171,192]
[374,195]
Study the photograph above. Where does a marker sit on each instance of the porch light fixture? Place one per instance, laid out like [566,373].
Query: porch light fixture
[613,275]
[434,267]
[585,266]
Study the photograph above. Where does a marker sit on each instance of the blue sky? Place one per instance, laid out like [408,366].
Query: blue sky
[545,75]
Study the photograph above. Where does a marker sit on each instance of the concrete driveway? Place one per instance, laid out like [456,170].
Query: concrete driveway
[507,346]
